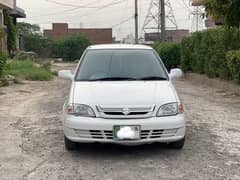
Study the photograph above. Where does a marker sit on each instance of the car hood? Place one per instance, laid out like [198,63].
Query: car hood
[124,93]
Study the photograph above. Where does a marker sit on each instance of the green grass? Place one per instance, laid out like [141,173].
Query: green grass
[27,70]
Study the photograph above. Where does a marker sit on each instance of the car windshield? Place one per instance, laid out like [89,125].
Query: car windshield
[120,65]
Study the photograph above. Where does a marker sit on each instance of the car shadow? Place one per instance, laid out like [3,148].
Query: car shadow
[111,150]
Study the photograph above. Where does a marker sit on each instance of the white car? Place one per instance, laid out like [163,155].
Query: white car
[122,94]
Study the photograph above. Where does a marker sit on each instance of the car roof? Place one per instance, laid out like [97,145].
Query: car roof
[119,46]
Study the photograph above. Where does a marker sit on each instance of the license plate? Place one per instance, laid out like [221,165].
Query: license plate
[126,132]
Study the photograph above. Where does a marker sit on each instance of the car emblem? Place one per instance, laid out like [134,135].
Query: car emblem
[126,111]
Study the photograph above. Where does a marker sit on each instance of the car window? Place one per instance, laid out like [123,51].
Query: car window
[134,64]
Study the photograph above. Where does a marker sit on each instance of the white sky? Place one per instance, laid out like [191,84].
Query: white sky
[44,12]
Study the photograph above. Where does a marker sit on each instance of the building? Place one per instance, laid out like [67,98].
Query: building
[15,12]
[4,4]
[209,22]
[95,35]
[7,4]
[171,35]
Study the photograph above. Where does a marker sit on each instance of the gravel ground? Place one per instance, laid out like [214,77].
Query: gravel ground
[32,139]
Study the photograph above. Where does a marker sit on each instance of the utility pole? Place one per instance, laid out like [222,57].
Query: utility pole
[197,23]
[159,12]
[163,25]
[159,21]
[136,21]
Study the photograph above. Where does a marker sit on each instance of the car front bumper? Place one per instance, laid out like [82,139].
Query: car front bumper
[155,129]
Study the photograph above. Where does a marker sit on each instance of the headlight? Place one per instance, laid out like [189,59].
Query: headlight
[170,109]
[80,110]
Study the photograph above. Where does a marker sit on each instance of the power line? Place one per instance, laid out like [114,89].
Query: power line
[184,5]
[56,13]
[64,11]
[79,6]
[88,14]
[70,5]
[123,13]
[98,9]
[122,22]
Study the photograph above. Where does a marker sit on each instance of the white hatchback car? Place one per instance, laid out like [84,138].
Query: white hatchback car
[122,94]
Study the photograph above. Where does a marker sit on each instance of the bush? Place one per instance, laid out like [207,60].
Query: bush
[11,33]
[205,52]
[169,53]
[22,55]
[38,44]
[70,48]
[186,54]
[233,60]
[28,70]
[3,59]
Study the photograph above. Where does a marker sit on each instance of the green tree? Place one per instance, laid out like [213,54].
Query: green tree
[11,33]
[169,53]
[27,28]
[228,9]
[70,48]
[38,44]
[33,39]
[3,59]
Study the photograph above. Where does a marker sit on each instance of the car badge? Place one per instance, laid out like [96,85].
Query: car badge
[126,111]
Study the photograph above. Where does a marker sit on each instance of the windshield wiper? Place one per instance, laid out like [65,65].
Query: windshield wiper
[114,79]
[153,78]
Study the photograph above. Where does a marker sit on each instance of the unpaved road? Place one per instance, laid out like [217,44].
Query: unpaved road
[31,139]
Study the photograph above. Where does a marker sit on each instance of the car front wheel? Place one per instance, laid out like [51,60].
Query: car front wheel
[69,145]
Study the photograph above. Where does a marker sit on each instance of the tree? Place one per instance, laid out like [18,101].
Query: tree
[11,33]
[33,39]
[228,9]
[27,28]
[70,48]
[38,44]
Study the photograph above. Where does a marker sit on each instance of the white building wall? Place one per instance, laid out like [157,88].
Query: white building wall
[7,4]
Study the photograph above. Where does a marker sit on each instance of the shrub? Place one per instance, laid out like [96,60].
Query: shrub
[3,59]
[22,55]
[38,44]
[205,52]
[169,53]
[233,60]
[186,54]
[70,48]
[11,33]
[28,70]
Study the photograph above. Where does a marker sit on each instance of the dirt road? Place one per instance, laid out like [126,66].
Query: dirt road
[32,139]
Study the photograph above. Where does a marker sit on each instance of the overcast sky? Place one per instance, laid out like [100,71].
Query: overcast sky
[91,14]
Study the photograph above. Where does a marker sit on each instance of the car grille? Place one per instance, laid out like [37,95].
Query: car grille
[126,112]
[108,134]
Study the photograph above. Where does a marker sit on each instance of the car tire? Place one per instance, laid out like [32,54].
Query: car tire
[69,145]
[178,144]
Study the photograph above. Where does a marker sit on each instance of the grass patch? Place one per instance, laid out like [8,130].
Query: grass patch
[27,70]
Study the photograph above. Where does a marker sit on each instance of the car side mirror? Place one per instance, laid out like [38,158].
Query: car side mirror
[65,74]
[175,73]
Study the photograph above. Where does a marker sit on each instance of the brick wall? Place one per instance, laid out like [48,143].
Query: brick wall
[96,36]
[176,35]
[171,35]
